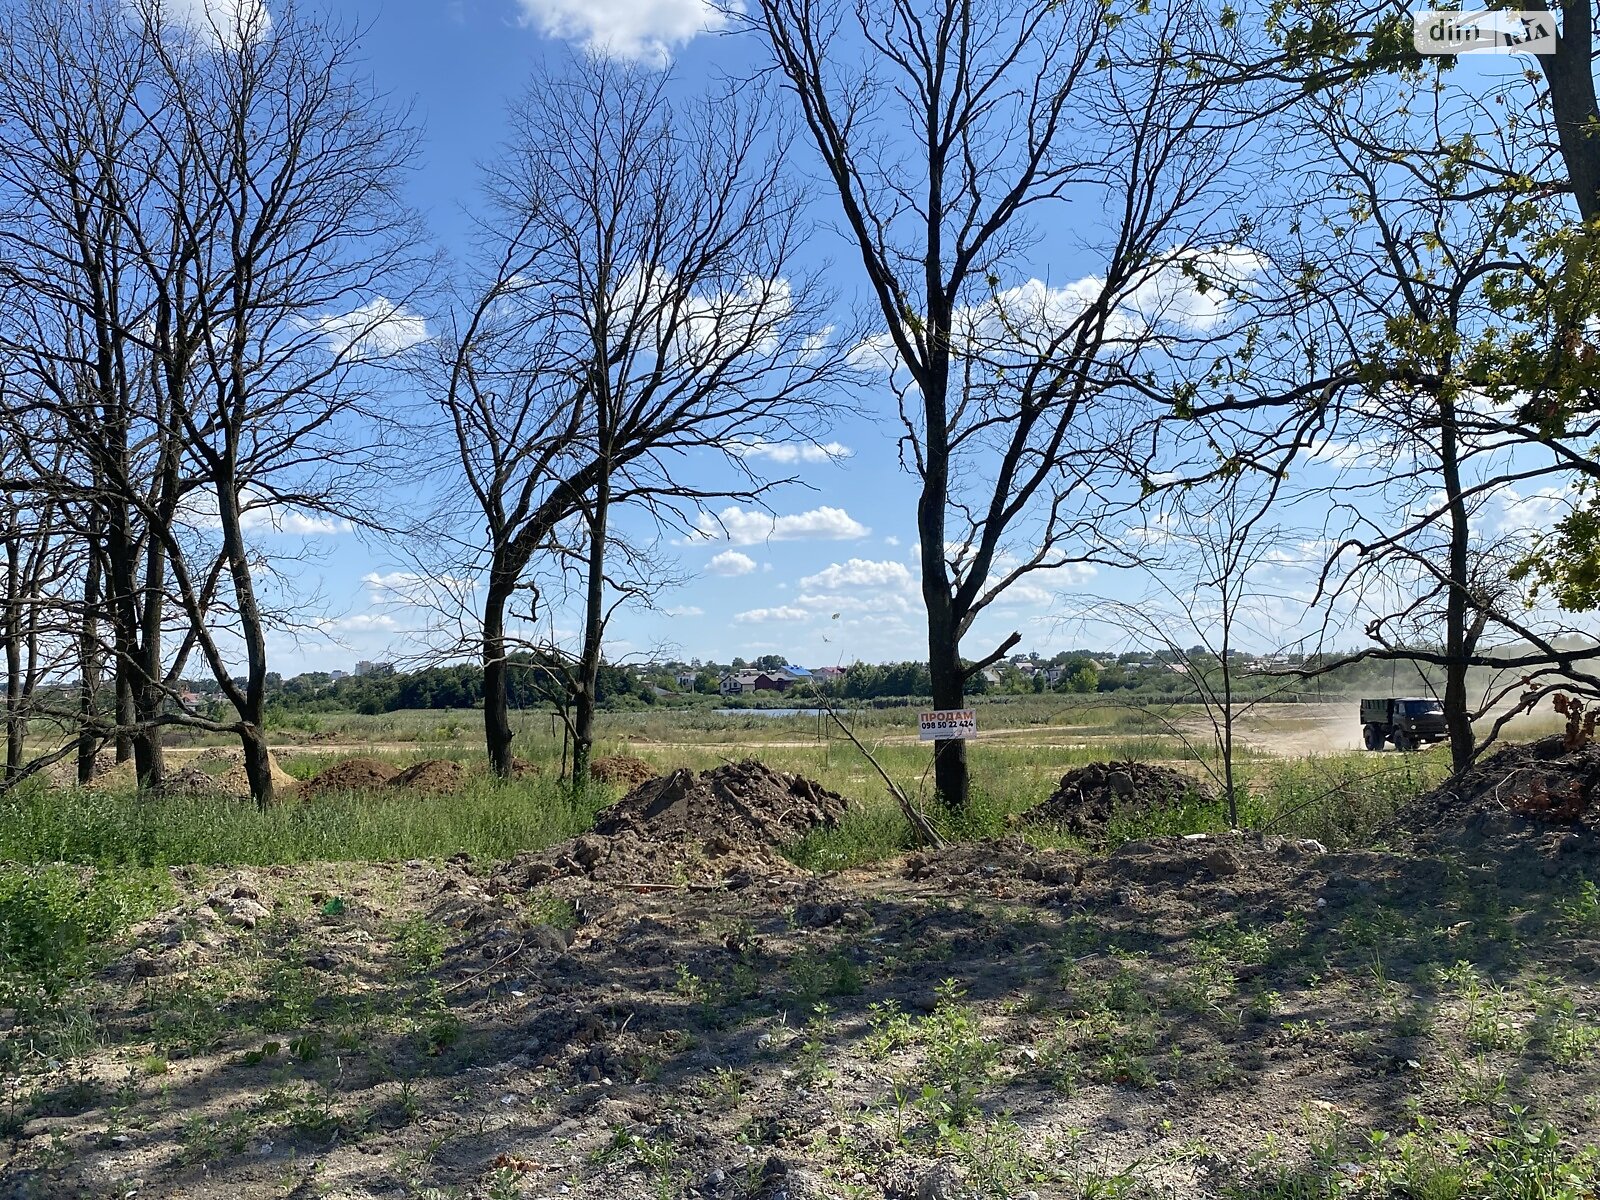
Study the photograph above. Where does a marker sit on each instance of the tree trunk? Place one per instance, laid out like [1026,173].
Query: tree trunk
[257,763]
[584,697]
[496,705]
[946,672]
[13,640]
[252,703]
[1457,715]
[89,664]
[126,716]
[950,775]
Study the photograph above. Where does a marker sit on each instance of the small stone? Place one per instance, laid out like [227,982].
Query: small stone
[941,1183]
[714,1179]
[817,916]
[145,964]
[1223,862]
[587,851]
[245,913]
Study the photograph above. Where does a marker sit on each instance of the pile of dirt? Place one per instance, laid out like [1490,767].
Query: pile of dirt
[625,769]
[64,772]
[726,823]
[1088,796]
[192,779]
[433,777]
[1524,787]
[349,775]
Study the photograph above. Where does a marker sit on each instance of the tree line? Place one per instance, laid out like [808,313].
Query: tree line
[1295,242]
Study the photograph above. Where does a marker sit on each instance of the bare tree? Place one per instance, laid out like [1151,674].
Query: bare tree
[205,228]
[1214,590]
[73,311]
[949,131]
[39,560]
[643,314]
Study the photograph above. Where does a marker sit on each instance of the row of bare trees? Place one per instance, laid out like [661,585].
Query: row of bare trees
[182,208]
[211,292]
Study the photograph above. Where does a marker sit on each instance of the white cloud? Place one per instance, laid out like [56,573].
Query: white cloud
[407,587]
[1538,512]
[1186,289]
[366,621]
[637,30]
[758,616]
[684,610]
[223,23]
[858,572]
[745,527]
[731,562]
[199,510]
[376,329]
[790,452]
[891,540]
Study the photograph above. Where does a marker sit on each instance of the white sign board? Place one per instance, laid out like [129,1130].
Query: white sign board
[947,724]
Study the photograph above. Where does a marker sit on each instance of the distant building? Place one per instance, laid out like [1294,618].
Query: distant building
[335,676]
[737,683]
[375,669]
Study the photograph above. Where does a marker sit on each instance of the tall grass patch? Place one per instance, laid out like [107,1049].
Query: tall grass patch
[53,917]
[488,819]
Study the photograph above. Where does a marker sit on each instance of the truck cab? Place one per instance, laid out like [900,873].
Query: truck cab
[1406,721]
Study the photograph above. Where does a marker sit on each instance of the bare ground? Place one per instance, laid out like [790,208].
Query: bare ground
[1183,1017]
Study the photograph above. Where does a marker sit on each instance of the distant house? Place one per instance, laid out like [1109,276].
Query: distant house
[686,679]
[376,669]
[738,683]
[827,674]
[335,676]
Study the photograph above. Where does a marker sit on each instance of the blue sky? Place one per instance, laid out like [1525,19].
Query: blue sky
[844,542]
[829,576]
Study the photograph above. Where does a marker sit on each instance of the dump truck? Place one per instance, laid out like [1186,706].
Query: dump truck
[1408,722]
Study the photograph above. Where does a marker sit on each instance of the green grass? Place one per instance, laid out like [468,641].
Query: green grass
[53,918]
[119,828]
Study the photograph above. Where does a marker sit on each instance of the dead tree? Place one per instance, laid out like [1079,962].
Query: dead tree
[208,218]
[951,132]
[643,307]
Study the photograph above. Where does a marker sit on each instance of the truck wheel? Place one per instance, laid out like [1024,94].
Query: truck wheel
[1372,735]
[1404,740]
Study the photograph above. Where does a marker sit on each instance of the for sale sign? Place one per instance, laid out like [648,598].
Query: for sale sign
[947,724]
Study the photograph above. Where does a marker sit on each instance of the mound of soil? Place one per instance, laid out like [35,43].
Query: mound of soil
[434,777]
[1530,785]
[730,821]
[350,775]
[1087,796]
[194,779]
[625,769]
[64,772]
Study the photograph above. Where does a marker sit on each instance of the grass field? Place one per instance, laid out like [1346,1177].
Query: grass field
[336,996]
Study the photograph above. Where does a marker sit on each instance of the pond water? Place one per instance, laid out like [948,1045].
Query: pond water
[768,712]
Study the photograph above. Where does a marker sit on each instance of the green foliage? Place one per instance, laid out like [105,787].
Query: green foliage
[491,819]
[53,917]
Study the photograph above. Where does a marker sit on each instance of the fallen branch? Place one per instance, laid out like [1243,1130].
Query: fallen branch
[919,820]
